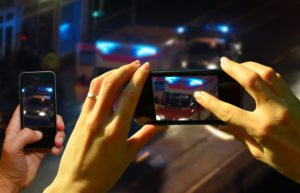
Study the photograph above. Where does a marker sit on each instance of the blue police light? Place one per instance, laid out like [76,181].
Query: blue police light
[145,50]
[171,79]
[49,89]
[218,28]
[181,29]
[63,28]
[106,47]
[223,28]
[195,82]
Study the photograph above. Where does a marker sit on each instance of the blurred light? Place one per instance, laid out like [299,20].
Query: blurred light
[97,14]
[218,28]
[23,90]
[63,28]
[223,28]
[195,82]
[106,47]
[181,29]
[171,79]
[170,42]
[24,38]
[184,64]
[42,114]
[183,119]
[212,66]
[145,50]
[49,89]
[160,117]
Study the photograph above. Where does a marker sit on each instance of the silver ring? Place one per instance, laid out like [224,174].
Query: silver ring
[92,96]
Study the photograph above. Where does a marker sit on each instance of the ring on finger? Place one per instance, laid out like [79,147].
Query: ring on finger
[92,96]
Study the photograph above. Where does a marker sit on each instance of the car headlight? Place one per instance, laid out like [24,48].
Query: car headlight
[42,114]
[212,66]
[184,64]
[160,117]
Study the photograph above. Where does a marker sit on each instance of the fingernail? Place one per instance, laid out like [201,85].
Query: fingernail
[61,140]
[146,66]
[136,63]
[224,60]
[198,95]
[39,133]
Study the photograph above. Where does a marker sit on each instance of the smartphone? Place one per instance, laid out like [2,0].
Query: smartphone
[37,91]
[167,97]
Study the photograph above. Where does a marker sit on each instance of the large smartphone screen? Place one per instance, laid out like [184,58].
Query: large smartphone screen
[167,97]
[174,101]
[38,105]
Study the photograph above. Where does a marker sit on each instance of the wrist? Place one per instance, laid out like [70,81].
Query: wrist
[7,186]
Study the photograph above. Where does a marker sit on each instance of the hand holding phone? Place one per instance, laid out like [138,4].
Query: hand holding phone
[167,97]
[38,105]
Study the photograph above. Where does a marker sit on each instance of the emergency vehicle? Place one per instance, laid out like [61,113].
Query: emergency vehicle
[156,45]
[174,100]
[205,47]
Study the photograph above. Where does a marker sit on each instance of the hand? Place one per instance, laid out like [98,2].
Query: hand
[99,150]
[272,130]
[18,167]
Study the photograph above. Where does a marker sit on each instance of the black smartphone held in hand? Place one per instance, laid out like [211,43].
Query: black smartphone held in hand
[37,92]
[167,97]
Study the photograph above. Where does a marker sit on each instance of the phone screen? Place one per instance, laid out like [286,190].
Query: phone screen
[38,105]
[174,101]
[167,97]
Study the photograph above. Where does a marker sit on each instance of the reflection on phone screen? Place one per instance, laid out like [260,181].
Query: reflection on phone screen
[38,105]
[174,101]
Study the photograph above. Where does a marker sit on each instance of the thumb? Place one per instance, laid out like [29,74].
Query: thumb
[26,136]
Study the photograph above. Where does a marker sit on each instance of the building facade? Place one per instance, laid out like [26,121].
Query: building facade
[42,25]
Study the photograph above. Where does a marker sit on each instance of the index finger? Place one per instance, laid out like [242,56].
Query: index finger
[249,79]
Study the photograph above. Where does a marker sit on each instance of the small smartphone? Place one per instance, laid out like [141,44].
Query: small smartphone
[37,91]
[167,97]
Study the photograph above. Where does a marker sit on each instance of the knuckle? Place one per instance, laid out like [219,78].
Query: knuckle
[283,115]
[111,137]
[268,74]
[94,83]
[265,131]
[225,113]
[108,83]
[252,79]
[90,123]
[7,148]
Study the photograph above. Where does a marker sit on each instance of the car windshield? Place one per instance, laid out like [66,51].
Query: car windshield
[37,102]
[204,49]
[176,100]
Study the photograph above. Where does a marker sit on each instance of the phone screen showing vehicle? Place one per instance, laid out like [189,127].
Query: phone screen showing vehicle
[174,101]
[167,97]
[38,105]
